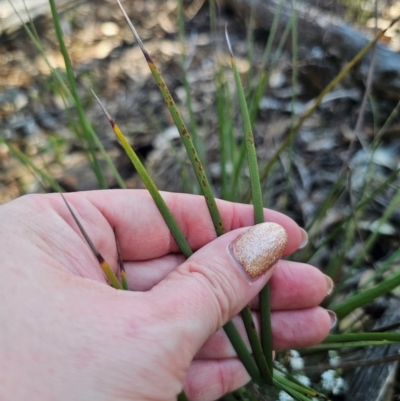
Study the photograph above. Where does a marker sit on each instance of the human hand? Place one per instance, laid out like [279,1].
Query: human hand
[66,335]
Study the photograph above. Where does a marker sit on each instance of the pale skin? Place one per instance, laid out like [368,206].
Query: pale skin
[66,335]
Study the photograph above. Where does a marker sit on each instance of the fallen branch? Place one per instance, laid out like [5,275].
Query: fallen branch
[330,34]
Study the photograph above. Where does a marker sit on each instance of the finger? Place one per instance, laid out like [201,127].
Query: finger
[144,275]
[141,230]
[293,285]
[301,328]
[296,286]
[209,380]
[212,286]
[290,329]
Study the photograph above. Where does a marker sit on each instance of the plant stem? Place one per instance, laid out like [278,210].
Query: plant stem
[229,328]
[185,136]
[256,345]
[366,296]
[87,129]
[182,396]
[242,352]
[162,206]
[104,265]
[266,334]
[124,278]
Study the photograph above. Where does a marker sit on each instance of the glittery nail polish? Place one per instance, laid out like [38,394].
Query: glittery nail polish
[259,248]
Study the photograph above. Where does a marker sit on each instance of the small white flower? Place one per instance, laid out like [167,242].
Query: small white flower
[334,359]
[296,361]
[339,387]
[294,354]
[303,380]
[332,382]
[328,379]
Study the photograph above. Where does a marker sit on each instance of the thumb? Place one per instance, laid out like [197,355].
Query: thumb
[217,281]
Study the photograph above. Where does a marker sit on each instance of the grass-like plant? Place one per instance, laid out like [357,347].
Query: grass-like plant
[68,90]
[233,153]
[112,278]
[263,354]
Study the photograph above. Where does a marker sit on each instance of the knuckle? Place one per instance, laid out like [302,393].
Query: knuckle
[215,283]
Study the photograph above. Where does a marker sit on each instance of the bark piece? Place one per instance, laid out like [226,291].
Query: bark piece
[376,382]
[332,34]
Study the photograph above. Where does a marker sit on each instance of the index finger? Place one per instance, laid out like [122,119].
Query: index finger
[141,229]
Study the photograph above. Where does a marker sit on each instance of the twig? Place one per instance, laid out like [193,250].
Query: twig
[368,86]
[349,365]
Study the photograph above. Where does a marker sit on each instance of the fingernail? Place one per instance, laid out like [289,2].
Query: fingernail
[259,248]
[304,238]
[332,316]
[330,285]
